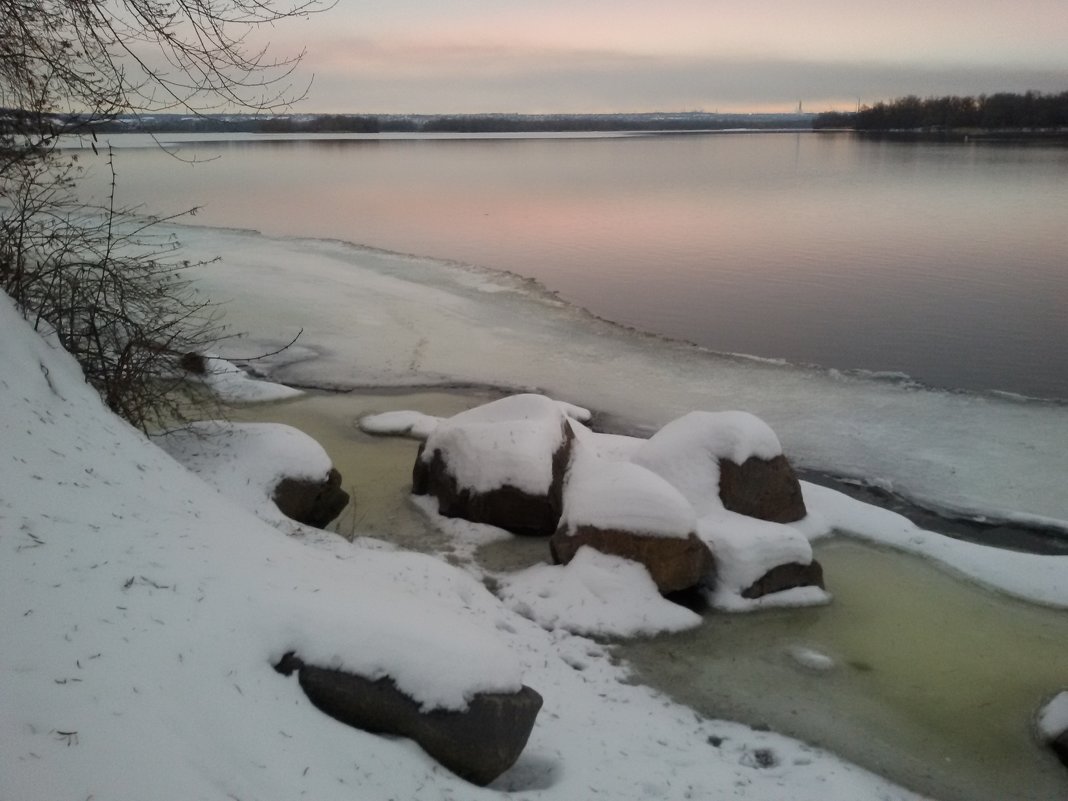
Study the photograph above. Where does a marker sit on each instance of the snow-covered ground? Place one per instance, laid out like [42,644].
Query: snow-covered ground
[141,613]
[140,610]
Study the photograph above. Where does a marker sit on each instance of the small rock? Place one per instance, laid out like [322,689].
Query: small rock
[504,506]
[314,503]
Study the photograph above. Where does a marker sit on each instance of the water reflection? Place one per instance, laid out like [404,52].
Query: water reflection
[947,262]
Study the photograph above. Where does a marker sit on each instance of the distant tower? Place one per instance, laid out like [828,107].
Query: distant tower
[799,109]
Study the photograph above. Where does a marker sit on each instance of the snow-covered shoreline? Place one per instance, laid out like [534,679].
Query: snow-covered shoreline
[134,599]
[373,318]
[141,613]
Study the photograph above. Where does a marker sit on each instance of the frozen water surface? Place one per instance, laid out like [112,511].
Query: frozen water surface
[372,318]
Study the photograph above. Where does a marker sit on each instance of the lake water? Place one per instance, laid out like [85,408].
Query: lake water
[944,262]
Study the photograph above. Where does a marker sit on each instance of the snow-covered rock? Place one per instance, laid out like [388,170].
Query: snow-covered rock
[757,559]
[623,509]
[502,463]
[727,460]
[478,743]
[253,463]
[596,594]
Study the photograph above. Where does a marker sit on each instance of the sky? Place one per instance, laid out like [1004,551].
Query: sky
[537,56]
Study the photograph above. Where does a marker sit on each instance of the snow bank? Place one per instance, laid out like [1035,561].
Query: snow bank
[134,595]
[140,613]
[596,594]
[246,461]
[1041,579]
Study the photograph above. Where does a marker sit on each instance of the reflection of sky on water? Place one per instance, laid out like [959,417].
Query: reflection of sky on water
[946,263]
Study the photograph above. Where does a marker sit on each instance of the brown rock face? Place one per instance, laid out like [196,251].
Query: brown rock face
[314,503]
[786,577]
[506,507]
[478,744]
[675,564]
[762,488]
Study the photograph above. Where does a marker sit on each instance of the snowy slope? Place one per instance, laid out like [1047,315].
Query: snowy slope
[140,613]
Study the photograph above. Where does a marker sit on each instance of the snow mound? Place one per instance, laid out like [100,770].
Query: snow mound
[234,385]
[1041,579]
[135,599]
[415,425]
[246,461]
[595,594]
[624,496]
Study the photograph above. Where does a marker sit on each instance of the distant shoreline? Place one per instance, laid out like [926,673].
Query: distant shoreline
[1003,136]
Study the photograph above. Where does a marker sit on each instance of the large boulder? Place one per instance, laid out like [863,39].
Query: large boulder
[730,460]
[477,744]
[502,464]
[314,502]
[622,509]
[767,489]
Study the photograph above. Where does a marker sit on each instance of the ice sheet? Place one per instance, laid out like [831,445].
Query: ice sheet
[374,318]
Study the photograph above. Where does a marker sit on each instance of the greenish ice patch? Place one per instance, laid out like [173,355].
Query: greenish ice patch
[934,682]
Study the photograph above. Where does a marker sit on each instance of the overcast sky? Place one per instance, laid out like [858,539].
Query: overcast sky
[440,56]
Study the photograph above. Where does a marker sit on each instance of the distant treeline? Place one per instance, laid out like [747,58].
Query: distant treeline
[1002,111]
[567,123]
[397,123]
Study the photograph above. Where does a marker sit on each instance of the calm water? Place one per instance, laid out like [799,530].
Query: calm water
[948,263]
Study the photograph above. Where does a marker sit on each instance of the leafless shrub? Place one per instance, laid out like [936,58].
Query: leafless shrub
[103,281]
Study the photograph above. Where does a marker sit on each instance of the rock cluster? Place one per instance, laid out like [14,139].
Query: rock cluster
[662,504]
